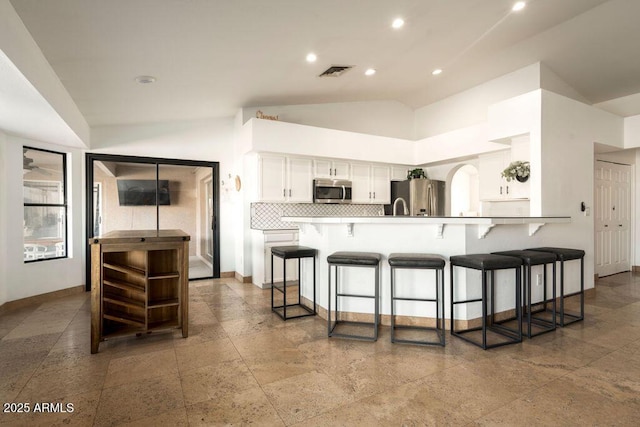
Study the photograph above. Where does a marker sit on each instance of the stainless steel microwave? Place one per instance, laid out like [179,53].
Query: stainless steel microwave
[331,191]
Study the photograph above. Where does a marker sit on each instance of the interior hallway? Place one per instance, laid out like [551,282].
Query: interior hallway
[241,364]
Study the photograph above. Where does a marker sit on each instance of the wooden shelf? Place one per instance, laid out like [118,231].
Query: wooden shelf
[125,330]
[164,303]
[123,301]
[170,275]
[125,286]
[170,324]
[124,317]
[125,269]
[138,285]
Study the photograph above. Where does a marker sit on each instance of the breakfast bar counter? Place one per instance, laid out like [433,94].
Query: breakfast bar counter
[445,236]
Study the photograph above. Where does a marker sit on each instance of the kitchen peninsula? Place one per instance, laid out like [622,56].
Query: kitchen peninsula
[445,236]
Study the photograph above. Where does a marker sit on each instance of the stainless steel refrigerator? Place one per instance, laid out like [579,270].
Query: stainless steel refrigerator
[422,196]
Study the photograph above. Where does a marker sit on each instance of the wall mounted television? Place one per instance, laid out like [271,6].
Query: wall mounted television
[142,192]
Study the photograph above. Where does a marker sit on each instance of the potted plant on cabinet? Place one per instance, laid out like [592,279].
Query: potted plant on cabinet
[517,170]
[416,173]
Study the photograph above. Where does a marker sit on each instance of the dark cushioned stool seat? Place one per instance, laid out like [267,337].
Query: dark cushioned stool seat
[419,262]
[567,254]
[285,253]
[488,264]
[486,261]
[416,261]
[354,258]
[532,258]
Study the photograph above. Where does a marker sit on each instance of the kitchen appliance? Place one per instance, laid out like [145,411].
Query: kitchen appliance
[331,191]
[422,196]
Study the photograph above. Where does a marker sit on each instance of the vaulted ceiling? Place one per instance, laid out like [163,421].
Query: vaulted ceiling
[212,57]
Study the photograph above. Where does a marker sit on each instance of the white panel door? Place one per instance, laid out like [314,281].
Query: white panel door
[612,218]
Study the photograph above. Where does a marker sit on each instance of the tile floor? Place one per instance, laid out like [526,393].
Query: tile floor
[242,365]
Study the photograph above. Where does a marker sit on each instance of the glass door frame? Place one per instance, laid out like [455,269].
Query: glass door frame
[90,158]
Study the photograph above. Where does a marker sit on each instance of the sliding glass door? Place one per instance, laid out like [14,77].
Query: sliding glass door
[139,193]
[187,212]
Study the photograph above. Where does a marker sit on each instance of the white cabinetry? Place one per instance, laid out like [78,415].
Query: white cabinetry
[284,179]
[399,173]
[493,187]
[336,169]
[371,183]
[262,242]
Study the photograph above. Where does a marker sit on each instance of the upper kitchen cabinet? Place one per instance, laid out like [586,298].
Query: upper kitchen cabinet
[284,179]
[493,187]
[492,184]
[371,183]
[333,169]
[399,172]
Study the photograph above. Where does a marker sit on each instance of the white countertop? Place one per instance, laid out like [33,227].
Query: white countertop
[418,220]
[485,224]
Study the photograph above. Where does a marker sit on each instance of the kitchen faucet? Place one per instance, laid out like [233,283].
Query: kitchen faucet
[404,204]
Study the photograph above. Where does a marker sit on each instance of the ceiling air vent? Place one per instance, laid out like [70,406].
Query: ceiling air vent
[336,70]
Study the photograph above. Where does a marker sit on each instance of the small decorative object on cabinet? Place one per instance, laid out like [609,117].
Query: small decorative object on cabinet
[139,283]
[517,170]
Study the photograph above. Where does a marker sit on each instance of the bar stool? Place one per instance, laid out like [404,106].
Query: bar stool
[531,258]
[420,262]
[292,252]
[488,263]
[353,259]
[566,254]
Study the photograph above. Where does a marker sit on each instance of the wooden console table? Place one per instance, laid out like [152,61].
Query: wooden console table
[139,283]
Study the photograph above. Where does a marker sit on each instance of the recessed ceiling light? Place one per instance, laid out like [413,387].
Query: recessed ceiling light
[370,72]
[145,79]
[518,6]
[311,57]
[397,23]
[436,71]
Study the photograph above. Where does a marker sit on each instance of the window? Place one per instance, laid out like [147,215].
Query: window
[44,187]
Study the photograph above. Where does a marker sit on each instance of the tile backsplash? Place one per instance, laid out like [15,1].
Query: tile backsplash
[266,216]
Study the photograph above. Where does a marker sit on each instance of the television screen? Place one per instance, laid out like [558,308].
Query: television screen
[142,192]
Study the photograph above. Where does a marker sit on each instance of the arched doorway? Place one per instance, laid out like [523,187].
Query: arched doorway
[465,199]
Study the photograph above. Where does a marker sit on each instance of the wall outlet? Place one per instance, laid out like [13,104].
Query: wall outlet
[538,279]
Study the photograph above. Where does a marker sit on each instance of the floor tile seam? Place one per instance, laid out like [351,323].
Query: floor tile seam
[520,398]
[184,401]
[37,368]
[258,383]
[608,353]
[160,374]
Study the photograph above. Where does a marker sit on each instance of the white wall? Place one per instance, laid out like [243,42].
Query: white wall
[208,140]
[17,279]
[632,132]
[20,48]
[632,140]
[4,211]
[280,137]
[464,142]
[383,118]
[569,131]
[470,107]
